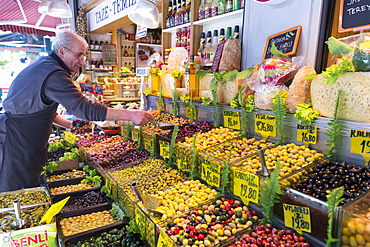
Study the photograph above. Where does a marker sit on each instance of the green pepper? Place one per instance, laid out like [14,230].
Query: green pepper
[242,221]
[238,214]
[204,231]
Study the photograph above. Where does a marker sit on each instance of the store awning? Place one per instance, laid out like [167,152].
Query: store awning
[22,16]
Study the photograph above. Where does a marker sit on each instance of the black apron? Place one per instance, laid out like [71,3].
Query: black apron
[23,147]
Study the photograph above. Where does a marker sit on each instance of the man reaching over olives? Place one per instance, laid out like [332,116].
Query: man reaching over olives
[30,111]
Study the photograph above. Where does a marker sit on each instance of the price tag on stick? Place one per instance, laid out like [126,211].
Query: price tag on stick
[231,119]
[297,217]
[211,173]
[307,134]
[265,125]
[246,186]
[164,240]
[164,149]
[360,143]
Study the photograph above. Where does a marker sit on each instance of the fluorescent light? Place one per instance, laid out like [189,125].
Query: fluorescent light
[145,13]
[60,9]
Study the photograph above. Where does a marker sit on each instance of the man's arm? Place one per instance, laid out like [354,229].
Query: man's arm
[62,122]
[138,117]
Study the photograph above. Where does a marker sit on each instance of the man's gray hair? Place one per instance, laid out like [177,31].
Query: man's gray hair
[66,39]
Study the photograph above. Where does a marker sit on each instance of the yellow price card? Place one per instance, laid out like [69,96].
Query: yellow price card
[140,219]
[54,210]
[211,173]
[188,111]
[231,119]
[69,137]
[246,186]
[164,240]
[360,143]
[182,164]
[135,134]
[307,134]
[148,144]
[164,149]
[297,217]
[265,124]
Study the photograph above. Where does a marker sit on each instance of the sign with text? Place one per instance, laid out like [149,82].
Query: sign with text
[135,133]
[297,217]
[265,124]
[164,240]
[164,149]
[231,119]
[217,58]
[354,15]
[360,143]
[109,54]
[182,164]
[141,32]
[107,12]
[69,137]
[211,173]
[99,89]
[148,144]
[307,134]
[285,41]
[246,186]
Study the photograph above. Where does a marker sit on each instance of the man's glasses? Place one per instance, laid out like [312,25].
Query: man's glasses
[80,56]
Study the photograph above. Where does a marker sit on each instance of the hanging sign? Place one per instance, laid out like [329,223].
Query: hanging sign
[354,15]
[297,217]
[109,54]
[99,89]
[360,143]
[141,31]
[265,124]
[307,134]
[231,119]
[285,41]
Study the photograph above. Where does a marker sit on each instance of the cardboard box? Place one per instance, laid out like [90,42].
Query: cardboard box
[68,164]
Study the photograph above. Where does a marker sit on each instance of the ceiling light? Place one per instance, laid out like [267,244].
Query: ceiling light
[145,13]
[44,7]
[60,9]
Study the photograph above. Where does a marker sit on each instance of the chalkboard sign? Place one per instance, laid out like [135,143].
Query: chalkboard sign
[99,90]
[83,87]
[285,41]
[89,87]
[217,58]
[354,15]
[109,54]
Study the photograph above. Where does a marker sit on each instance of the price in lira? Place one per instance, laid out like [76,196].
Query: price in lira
[231,119]
[360,143]
[69,137]
[246,186]
[307,133]
[164,149]
[135,134]
[297,217]
[211,173]
[140,219]
[265,124]
[182,164]
[164,240]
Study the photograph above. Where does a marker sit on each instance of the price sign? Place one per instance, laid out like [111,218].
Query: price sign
[188,111]
[164,240]
[135,134]
[164,149]
[360,143]
[211,173]
[354,15]
[148,144]
[182,164]
[297,217]
[232,119]
[140,219]
[69,137]
[109,54]
[54,210]
[246,186]
[265,124]
[307,134]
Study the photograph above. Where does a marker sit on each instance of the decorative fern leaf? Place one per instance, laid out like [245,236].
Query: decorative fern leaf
[172,145]
[193,158]
[225,171]
[280,111]
[333,198]
[334,130]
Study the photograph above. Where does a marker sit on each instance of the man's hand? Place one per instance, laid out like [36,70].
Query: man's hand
[141,117]
[138,117]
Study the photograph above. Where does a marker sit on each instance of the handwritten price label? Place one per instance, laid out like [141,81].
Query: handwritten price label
[307,133]
[135,134]
[297,217]
[211,173]
[164,149]
[182,164]
[188,111]
[231,119]
[360,143]
[246,186]
[265,124]
[69,137]
[140,219]
[164,240]
[148,144]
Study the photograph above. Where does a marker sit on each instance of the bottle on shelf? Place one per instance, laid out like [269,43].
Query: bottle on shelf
[173,15]
[236,32]
[101,46]
[236,5]
[183,12]
[200,51]
[125,52]
[191,81]
[207,49]
[201,14]
[208,9]
[168,18]
[97,64]
[187,16]
[214,45]
[221,7]
[132,68]
[228,33]
[222,35]
[92,45]
[229,6]
[93,63]
[178,13]
[154,78]
[214,8]
[96,45]
[87,65]
[132,51]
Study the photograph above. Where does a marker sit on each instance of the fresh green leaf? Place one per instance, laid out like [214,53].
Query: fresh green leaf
[334,71]
[311,76]
[276,52]
[106,191]
[337,47]
[94,180]
[133,227]
[55,146]
[172,146]
[250,106]
[333,131]
[50,168]
[230,75]
[175,108]
[193,157]
[333,198]
[279,108]
[244,74]
[117,212]
[225,171]
[305,114]
[206,100]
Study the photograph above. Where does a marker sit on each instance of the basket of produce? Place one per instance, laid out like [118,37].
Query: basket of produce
[31,196]
[68,175]
[71,187]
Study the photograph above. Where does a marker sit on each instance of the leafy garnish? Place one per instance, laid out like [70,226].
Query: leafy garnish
[280,111]
[334,71]
[117,212]
[68,156]
[80,153]
[225,171]
[50,168]
[106,191]
[217,77]
[199,72]
[311,76]
[175,108]
[55,146]
[244,74]
[305,114]
[333,198]
[206,100]
[133,227]
[193,157]
[172,146]
[250,106]
[337,47]
[230,75]
[276,52]
[94,180]
[334,130]
[269,193]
